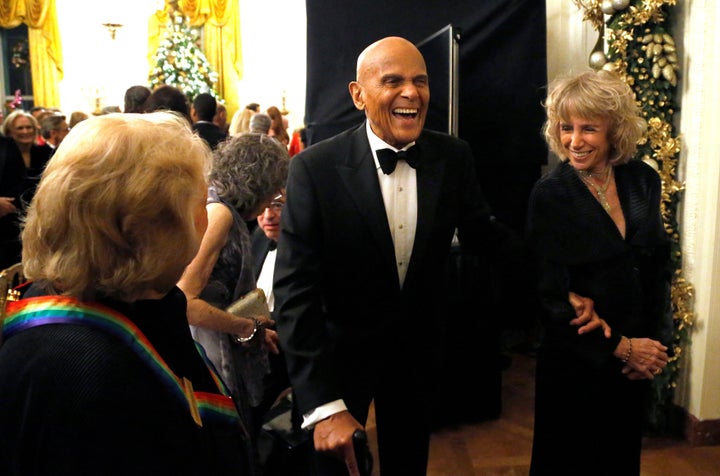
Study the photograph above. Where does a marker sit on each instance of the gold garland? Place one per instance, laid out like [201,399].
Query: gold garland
[643,53]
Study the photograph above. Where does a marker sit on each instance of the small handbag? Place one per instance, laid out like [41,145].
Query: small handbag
[251,304]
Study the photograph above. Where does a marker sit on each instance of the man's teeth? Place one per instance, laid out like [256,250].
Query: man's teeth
[405,111]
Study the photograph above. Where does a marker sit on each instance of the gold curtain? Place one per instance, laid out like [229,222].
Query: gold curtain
[221,33]
[46,64]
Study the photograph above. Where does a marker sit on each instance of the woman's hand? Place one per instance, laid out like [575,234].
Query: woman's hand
[646,357]
[586,317]
[245,326]
[272,341]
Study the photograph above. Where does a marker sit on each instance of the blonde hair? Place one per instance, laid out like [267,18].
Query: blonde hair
[595,95]
[240,122]
[113,214]
[9,122]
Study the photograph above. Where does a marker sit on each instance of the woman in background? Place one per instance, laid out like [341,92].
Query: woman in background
[21,164]
[594,222]
[278,128]
[248,171]
[240,122]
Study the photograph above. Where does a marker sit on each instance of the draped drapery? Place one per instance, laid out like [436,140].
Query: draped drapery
[46,65]
[221,33]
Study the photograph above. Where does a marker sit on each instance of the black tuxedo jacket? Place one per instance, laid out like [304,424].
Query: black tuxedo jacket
[210,132]
[260,246]
[342,317]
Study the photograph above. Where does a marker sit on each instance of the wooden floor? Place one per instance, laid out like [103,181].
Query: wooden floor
[502,447]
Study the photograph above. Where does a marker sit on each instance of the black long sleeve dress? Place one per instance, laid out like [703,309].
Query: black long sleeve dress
[588,416]
[79,397]
[19,182]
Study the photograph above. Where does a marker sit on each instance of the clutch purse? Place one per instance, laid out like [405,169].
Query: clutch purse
[252,304]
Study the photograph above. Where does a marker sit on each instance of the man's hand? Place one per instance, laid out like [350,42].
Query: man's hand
[334,435]
[586,317]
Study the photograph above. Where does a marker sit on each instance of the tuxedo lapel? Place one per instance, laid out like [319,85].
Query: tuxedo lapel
[430,172]
[359,176]
[260,245]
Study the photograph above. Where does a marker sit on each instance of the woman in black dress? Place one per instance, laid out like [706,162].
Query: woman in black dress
[595,224]
[21,164]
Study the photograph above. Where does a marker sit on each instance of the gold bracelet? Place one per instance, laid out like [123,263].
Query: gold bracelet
[627,355]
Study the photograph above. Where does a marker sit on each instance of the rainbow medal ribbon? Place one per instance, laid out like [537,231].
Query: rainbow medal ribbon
[40,311]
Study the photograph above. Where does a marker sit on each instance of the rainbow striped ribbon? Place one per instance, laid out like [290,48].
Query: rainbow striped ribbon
[39,311]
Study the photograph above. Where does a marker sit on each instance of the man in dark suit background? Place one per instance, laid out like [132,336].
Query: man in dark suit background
[263,245]
[361,261]
[202,113]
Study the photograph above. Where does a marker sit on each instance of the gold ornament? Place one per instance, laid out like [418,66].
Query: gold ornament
[607,7]
[597,60]
[620,4]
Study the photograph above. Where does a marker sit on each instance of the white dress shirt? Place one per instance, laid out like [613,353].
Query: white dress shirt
[399,191]
[265,278]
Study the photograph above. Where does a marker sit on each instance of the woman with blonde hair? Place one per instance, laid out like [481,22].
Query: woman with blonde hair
[595,225]
[99,373]
[240,122]
[21,164]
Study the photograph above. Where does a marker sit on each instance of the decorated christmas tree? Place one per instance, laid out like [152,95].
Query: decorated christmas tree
[180,62]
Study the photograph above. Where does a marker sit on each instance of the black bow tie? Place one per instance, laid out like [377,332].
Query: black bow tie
[272,245]
[388,158]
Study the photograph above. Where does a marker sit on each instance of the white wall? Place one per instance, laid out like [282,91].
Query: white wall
[273,43]
[570,41]
[274,39]
[699,43]
[94,64]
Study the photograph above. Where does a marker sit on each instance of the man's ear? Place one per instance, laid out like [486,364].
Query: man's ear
[356,94]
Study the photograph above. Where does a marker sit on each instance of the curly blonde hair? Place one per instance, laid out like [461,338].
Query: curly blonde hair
[114,213]
[595,95]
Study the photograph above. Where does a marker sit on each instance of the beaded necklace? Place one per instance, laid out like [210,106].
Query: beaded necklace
[600,190]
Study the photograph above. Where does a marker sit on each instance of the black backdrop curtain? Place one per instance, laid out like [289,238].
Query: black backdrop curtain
[502,84]
[502,79]
[502,65]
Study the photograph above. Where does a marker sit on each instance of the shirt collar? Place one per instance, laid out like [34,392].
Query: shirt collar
[377,143]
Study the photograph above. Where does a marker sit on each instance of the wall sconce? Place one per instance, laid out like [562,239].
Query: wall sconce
[112,28]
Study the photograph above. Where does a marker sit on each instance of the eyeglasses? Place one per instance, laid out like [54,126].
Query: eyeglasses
[276,206]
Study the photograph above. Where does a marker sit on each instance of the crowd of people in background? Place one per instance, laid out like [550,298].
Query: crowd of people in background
[47,127]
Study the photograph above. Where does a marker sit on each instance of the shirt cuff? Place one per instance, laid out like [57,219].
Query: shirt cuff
[321,413]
